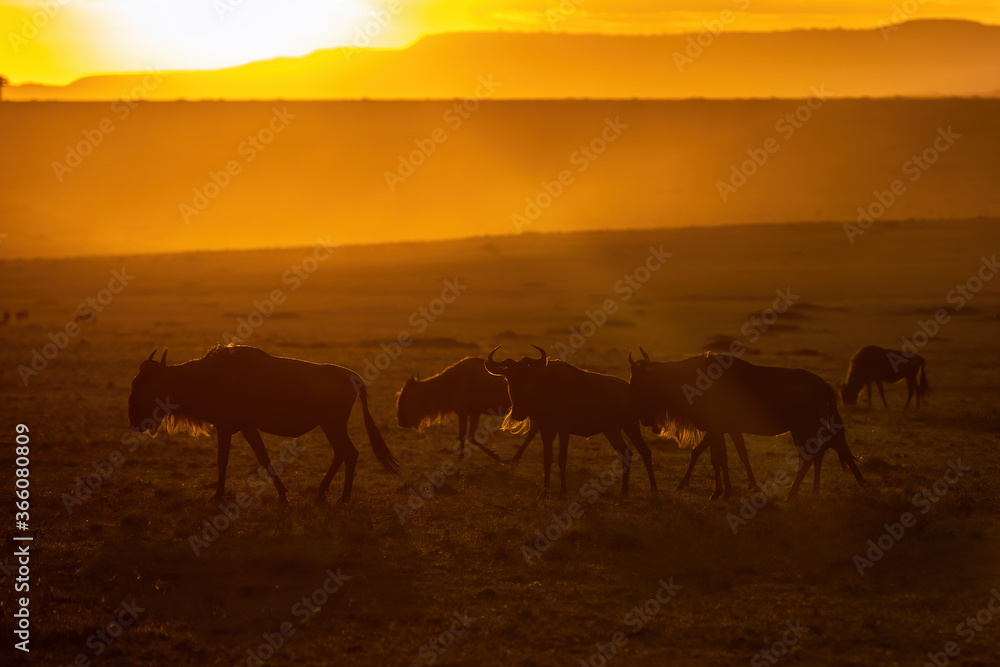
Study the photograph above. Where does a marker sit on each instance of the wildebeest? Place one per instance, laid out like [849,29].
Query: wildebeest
[562,399]
[719,393]
[465,389]
[243,389]
[878,365]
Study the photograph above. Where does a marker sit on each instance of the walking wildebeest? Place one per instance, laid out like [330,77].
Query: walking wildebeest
[465,389]
[719,393]
[243,389]
[562,399]
[878,365]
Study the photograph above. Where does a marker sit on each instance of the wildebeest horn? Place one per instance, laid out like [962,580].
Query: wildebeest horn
[631,362]
[492,366]
[544,355]
[150,358]
[163,359]
[644,355]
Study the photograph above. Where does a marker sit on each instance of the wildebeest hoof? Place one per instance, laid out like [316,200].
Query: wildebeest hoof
[219,498]
[752,485]
[716,495]
[343,500]
[681,486]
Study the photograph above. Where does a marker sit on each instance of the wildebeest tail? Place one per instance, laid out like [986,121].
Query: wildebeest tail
[379,447]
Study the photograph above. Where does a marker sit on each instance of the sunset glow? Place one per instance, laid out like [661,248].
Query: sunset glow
[58,41]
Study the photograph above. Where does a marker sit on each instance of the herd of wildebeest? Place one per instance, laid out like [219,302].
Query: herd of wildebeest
[242,389]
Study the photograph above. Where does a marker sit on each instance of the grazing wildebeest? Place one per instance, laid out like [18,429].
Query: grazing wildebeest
[465,389]
[562,399]
[719,393]
[878,365]
[243,389]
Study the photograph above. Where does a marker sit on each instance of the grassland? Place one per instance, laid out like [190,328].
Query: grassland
[461,551]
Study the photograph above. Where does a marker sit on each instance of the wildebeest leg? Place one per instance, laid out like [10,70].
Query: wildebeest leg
[635,435]
[804,462]
[563,454]
[473,436]
[720,463]
[624,455]
[910,390]
[695,453]
[336,436]
[741,451]
[547,439]
[462,425]
[225,440]
[531,434]
[257,445]
[882,394]
[818,464]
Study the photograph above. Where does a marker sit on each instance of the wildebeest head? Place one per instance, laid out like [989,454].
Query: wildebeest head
[849,394]
[522,380]
[149,392]
[644,390]
[407,411]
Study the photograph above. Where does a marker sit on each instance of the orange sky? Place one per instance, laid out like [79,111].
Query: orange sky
[58,41]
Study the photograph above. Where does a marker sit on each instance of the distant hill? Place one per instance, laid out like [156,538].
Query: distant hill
[928,58]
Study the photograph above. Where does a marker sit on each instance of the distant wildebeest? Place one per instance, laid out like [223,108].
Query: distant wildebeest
[465,389]
[6,317]
[562,399]
[719,393]
[878,365]
[243,389]
[21,315]
[89,318]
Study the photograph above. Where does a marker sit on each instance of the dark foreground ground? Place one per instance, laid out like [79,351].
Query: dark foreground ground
[456,562]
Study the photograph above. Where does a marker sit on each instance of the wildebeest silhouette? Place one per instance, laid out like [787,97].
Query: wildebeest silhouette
[562,399]
[243,389]
[465,389]
[878,365]
[719,393]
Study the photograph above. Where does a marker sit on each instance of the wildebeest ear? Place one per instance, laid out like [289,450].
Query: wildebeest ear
[163,359]
[644,355]
[150,358]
